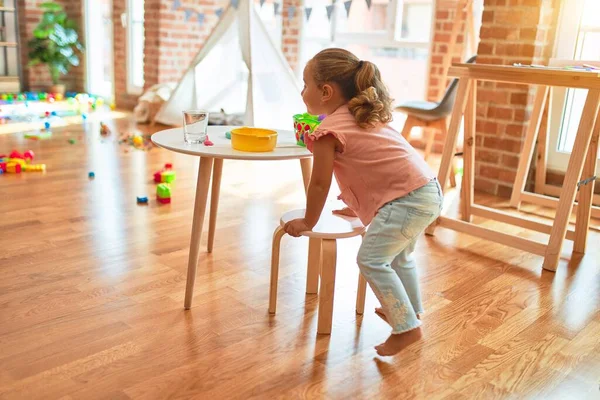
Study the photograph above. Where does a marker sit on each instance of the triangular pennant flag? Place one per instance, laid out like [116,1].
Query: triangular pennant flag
[347,4]
[276,8]
[176,5]
[329,9]
[219,12]
[307,12]
[235,3]
[188,14]
[262,2]
[291,12]
[369,2]
[201,17]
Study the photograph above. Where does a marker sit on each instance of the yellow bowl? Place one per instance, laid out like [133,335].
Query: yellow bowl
[253,139]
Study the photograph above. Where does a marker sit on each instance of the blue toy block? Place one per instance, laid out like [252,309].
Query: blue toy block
[142,200]
[91,174]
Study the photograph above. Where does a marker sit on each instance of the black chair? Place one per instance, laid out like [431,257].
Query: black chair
[430,114]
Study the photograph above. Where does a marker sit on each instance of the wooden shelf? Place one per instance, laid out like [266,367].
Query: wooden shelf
[7,9]
[8,44]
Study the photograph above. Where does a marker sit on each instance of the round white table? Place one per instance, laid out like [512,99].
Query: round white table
[211,161]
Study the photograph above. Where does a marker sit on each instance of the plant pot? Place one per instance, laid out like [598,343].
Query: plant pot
[57,89]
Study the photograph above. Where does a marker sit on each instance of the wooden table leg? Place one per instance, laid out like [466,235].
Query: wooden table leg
[306,166]
[327,290]
[214,202]
[586,193]
[574,170]
[314,265]
[532,134]
[468,180]
[204,170]
[450,145]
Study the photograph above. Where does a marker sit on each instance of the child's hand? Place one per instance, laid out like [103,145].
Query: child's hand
[346,212]
[296,226]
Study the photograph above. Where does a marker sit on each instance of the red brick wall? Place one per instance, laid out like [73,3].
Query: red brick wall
[513,31]
[38,77]
[291,31]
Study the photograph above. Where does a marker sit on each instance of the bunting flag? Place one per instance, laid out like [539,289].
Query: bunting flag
[307,12]
[369,2]
[188,14]
[347,4]
[262,2]
[276,8]
[176,5]
[329,9]
[201,17]
[235,3]
[291,12]
[219,12]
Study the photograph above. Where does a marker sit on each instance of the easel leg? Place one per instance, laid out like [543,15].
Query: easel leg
[574,170]
[527,152]
[586,193]
[468,179]
[450,145]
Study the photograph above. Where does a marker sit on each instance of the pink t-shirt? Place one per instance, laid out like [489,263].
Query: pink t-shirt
[374,166]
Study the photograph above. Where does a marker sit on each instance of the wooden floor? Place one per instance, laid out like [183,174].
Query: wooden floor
[92,285]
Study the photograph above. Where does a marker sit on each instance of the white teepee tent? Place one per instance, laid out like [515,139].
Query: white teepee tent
[240,70]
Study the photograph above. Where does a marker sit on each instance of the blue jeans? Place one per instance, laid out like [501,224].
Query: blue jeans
[385,258]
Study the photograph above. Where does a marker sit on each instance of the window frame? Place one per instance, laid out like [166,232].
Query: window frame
[132,88]
[566,45]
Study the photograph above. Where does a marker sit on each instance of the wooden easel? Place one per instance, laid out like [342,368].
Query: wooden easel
[536,139]
[582,160]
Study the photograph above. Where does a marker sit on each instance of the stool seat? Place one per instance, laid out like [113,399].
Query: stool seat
[424,110]
[330,226]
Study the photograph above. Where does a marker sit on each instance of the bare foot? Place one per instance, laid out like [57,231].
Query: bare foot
[397,342]
[381,314]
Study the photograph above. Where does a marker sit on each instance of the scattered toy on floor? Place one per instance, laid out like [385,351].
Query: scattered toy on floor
[91,175]
[142,200]
[163,193]
[15,162]
[104,129]
[165,175]
[72,141]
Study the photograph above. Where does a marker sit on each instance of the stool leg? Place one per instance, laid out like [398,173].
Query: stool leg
[314,263]
[327,286]
[361,294]
[444,128]
[408,125]
[279,232]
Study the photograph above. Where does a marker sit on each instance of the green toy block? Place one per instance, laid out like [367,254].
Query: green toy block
[163,191]
[167,176]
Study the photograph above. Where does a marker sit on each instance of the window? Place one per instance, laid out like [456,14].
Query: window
[135,46]
[578,38]
[273,23]
[394,34]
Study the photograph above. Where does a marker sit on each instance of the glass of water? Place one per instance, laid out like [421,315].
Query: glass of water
[195,124]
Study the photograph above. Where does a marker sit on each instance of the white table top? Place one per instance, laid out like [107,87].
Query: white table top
[286,149]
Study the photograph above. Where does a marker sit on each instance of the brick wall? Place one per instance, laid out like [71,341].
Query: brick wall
[445,14]
[291,31]
[513,31]
[38,77]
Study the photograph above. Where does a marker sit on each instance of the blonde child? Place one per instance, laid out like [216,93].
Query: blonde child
[382,179]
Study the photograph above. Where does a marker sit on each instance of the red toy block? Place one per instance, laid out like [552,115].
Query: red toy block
[15,154]
[168,166]
[29,155]
[3,166]
[158,177]
[165,200]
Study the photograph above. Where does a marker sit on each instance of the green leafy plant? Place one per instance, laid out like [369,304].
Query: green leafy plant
[55,41]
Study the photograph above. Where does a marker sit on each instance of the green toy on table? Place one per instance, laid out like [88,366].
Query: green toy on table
[305,124]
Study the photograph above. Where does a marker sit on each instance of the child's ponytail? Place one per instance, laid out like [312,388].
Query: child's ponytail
[360,82]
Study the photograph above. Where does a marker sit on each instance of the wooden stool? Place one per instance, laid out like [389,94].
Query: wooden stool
[322,253]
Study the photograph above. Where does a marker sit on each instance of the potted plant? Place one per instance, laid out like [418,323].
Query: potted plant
[55,42]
